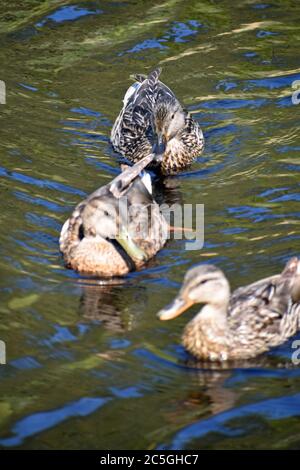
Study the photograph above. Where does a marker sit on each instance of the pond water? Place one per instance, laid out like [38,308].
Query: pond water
[90,366]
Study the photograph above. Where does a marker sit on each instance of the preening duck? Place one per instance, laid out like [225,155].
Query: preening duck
[116,229]
[153,120]
[245,324]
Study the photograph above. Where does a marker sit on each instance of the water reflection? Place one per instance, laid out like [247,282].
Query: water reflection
[105,303]
[110,365]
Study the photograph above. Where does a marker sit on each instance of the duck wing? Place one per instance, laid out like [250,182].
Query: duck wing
[139,101]
[163,91]
[265,308]
[145,95]
[133,183]
[132,133]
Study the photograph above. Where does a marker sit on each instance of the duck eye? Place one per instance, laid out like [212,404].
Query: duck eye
[173,115]
[206,280]
[106,213]
[201,283]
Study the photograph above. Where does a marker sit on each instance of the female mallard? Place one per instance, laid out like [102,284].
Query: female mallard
[109,235]
[152,119]
[247,323]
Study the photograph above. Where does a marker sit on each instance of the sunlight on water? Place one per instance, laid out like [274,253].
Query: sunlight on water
[88,363]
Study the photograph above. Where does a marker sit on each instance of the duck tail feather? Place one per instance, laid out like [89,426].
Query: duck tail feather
[144,176]
[149,90]
[138,77]
[145,96]
[291,274]
[153,81]
[146,180]
[292,267]
[154,75]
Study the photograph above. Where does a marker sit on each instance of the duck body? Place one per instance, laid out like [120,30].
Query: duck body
[97,240]
[245,324]
[152,119]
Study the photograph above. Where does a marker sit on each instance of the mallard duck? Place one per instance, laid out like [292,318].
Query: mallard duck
[152,119]
[115,230]
[245,324]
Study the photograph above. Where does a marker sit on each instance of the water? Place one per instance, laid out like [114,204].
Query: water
[89,365]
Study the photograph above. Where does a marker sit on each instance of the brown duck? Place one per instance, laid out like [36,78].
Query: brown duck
[115,230]
[242,325]
[153,120]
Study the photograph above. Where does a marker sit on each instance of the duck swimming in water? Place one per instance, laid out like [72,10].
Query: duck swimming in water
[115,230]
[153,120]
[242,325]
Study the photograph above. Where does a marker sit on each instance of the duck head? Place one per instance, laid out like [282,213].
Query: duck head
[105,217]
[205,284]
[168,121]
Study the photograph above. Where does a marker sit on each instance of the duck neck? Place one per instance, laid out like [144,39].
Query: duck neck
[214,316]
[206,336]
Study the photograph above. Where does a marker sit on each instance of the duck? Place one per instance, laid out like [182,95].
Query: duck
[116,229]
[153,120]
[242,325]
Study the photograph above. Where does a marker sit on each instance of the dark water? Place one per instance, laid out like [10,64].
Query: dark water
[90,366]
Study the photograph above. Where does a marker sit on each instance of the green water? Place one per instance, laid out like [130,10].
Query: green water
[90,366]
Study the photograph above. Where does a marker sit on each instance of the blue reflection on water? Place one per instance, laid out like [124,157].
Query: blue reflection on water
[261,6]
[130,392]
[234,103]
[26,362]
[52,206]
[44,420]
[276,408]
[263,34]
[63,334]
[67,13]
[147,44]
[271,83]
[40,183]
[28,87]
[178,32]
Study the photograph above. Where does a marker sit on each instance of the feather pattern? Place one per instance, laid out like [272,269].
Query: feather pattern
[249,322]
[90,247]
[149,103]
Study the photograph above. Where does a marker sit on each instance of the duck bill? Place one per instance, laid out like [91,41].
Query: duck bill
[131,248]
[161,144]
[175,308]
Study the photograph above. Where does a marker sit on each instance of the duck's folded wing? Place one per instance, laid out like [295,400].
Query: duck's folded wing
[266,307]
[256,311]
[70,232]
[274,291]
[141,96]
[162,89]
[165,93]
[254,294]
[146,94]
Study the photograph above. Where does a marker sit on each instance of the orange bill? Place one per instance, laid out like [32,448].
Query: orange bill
[175,308]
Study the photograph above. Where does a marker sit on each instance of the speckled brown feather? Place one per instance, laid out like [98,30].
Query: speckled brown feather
[94,255]
[133,134]
[260,316]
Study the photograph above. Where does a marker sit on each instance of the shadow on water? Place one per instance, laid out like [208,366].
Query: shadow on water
[87,362]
